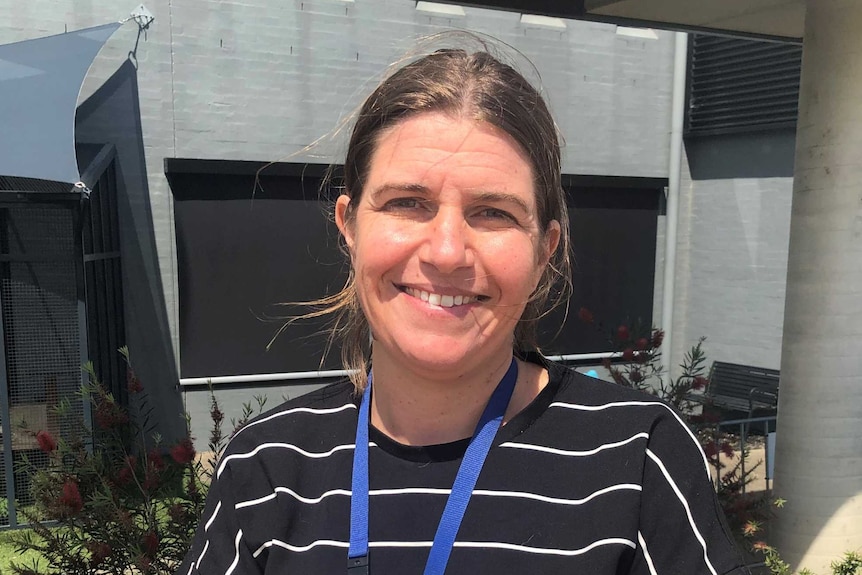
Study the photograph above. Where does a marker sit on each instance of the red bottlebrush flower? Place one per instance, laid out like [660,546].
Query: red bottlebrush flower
[183,452]
[151,481]
[124,475]
[154,460]
[711,417]
[711,450]
[192,486]
[636,376]
[155,465]
[127,472]
[657,338]
[46,441]
[623,333]
[618,377]
[124,518]
[699,383]
[216,414]
[151,543]
[109,415]
[606,363]
[132,382]
[177,513]
[629,354]
[70,498]
[642,343]
[98,552]
[727,450]
[760,546]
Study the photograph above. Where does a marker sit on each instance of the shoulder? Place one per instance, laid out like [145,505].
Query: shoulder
[328,409]
[609,404]
[596,394]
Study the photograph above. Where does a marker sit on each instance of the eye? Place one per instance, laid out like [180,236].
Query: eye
[496,214]
[404,204]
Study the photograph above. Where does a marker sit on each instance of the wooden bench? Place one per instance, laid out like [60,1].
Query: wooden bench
[741,388]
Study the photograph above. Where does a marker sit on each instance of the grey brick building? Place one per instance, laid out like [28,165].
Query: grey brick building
[213,84]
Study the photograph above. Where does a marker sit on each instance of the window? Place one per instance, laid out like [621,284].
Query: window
[244,248]
[613,236]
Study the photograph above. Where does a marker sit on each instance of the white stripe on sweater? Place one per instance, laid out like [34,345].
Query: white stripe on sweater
[236,550]
[612,404]
[458,544]
[441,492]
[310,410]
[682,500]
[569,453]
[647,556]
[292,447]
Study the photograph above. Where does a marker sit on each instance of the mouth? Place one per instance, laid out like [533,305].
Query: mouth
[442,300]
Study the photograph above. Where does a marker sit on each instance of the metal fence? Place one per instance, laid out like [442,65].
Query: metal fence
[60,306]
[743,429]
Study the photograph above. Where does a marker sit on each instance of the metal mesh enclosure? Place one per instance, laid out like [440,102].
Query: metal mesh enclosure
[62,305]
[41,331]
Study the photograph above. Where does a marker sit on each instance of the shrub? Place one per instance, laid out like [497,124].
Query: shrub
[113,497]
[851,564]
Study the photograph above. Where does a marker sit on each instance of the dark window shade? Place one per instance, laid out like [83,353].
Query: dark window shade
[243,248]
[740,85]
[613,235]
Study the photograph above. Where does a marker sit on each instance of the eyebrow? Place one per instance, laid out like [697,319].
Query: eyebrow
[412,188]
[481,197]
[502,197]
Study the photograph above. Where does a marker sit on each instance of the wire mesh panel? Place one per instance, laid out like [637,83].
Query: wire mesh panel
[41,333]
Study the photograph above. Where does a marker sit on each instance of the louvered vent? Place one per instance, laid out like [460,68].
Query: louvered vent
[742,85]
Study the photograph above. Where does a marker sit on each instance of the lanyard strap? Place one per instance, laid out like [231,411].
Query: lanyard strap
[459,497]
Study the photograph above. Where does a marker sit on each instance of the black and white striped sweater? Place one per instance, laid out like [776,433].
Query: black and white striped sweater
[590,479]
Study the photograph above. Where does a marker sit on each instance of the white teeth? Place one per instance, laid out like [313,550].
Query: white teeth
[439,299]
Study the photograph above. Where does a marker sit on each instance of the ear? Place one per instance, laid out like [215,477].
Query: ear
[551,242]
[341,206]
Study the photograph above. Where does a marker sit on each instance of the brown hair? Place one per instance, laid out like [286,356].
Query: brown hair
[477,86]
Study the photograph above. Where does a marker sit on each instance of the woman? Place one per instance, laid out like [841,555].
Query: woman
[473,454]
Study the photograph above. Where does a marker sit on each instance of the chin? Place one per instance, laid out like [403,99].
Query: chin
[443,356]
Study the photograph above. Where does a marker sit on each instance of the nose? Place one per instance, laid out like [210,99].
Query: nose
[447,245]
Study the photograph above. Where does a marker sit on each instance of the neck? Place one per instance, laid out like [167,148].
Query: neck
[417,408]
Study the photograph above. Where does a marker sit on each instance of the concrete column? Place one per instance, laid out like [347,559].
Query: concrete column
[819,451]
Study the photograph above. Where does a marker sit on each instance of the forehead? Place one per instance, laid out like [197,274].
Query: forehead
[437,150]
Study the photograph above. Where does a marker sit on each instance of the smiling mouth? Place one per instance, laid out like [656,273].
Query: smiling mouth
[440,299]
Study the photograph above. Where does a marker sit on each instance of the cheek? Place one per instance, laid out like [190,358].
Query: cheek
[516,266]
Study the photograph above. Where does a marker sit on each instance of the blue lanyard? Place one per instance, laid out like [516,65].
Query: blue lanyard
[456,504]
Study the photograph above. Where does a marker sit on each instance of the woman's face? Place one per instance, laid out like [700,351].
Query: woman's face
[446,244]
